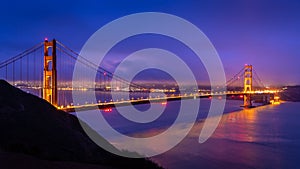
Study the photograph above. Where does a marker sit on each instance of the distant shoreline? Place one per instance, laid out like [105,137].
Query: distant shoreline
[290,93]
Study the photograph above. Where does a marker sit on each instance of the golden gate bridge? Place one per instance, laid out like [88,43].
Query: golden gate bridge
[45,70]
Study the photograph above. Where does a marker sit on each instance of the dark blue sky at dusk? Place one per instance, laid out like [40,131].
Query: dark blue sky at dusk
[262,33]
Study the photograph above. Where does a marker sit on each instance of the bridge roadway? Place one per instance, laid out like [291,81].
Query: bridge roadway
[108,105]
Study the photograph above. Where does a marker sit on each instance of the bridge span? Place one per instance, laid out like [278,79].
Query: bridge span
[45,67]
[267,97]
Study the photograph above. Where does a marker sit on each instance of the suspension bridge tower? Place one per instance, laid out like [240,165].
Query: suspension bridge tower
[50,74]
[247,85]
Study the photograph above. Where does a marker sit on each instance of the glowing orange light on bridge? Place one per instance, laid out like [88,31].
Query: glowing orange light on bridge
[108,110]
[164,103]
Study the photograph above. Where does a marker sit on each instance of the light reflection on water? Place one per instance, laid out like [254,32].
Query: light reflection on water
[127,127]
[145,130]
[239,126]
[263,137]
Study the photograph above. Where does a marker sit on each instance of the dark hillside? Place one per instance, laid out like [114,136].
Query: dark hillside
[31,126]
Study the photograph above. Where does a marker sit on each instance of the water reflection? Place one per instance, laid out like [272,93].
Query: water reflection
[239,126]
[263,137]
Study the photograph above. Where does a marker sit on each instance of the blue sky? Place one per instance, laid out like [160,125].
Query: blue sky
[262,33]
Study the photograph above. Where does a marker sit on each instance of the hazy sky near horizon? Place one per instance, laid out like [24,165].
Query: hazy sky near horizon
[258,32]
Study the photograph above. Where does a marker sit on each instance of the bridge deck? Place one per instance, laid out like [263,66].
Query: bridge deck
[105,105]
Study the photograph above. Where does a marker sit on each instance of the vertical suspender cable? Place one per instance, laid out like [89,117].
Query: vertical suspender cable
[21,70]
[13,73]
[6,72]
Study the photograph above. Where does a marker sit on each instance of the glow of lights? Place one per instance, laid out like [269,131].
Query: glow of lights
[46,39]
[164,103]
[108,110]
[241,96]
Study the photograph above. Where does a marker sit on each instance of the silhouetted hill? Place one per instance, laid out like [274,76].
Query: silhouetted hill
[31,126]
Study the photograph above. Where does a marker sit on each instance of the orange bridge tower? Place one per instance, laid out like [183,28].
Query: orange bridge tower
[50,74]
[247,85]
